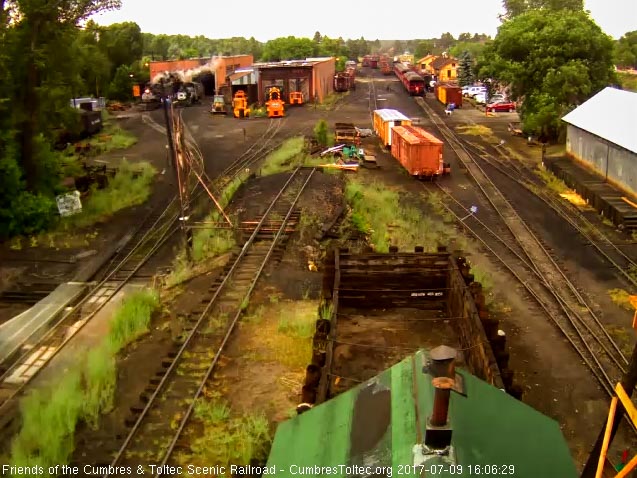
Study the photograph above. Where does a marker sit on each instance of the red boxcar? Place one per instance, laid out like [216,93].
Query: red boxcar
[418,151]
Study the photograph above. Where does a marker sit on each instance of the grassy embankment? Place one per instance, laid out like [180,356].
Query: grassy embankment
[50,415]
[130,186]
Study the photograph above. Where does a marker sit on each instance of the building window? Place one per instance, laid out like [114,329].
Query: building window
[448,73]
[453,65]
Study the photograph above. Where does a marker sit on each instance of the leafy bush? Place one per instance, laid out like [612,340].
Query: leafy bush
[27,214]
[321,132]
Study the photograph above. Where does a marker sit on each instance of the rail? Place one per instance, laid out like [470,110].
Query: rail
[171,389]
[549,275]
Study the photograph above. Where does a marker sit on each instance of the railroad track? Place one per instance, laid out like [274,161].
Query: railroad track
[44,344]
[373,99]
[527,258]
[525,177]
[188,370]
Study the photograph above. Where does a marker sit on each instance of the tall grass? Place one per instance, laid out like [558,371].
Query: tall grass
[130,186]
[112,137]
[49,418]
[51,414]
[552,182]
[282,159]
[100,380]
[132,319]
[377,212]
[228,439]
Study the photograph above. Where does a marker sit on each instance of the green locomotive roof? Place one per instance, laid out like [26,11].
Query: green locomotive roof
[380,422]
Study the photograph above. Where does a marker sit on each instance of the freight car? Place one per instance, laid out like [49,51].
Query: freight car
[366,60]
[419,152]
[385,120]
[342,82]
[373,61]
[449,94]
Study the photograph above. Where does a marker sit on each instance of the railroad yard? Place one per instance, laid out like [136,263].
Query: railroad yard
[232,337]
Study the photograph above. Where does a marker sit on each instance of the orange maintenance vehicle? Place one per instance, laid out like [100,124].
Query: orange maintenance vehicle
[296,98]
[274,105]
[240,105]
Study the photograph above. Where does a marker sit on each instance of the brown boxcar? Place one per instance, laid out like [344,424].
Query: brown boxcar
[418,151]
[385,120]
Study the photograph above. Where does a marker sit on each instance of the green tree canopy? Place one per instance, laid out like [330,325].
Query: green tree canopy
[626,50]
[514,8]
[552,61]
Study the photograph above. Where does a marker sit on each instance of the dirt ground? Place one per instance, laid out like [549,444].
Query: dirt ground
[555,380]
[370,342]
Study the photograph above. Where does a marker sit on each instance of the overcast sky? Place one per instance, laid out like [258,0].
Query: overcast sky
[347,18]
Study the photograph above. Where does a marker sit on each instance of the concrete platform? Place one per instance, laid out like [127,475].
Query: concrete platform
[17,330]
[88,337]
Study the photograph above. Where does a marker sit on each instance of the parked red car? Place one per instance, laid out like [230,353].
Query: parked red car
[501,106]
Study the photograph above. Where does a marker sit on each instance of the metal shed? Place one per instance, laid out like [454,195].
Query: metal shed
[312,76]
[601,134]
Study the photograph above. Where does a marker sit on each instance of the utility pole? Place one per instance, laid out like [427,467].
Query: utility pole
[176,169]
[629,381]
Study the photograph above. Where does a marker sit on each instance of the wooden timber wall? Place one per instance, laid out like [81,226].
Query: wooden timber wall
[373,280]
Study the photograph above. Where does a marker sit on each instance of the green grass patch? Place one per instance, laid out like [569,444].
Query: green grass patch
[228,439]
[257,111]
[100,380]
[377,212]
[476,130]
[552,182]
[51,414]
[284,158]
[621,298]
[132,319]
[112,137]
[331,100]
[130,186]
[49,418]
[628,81]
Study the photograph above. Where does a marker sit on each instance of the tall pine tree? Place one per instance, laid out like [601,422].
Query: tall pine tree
[465,70]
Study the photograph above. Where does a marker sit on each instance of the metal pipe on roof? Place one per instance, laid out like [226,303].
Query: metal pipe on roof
[440,413]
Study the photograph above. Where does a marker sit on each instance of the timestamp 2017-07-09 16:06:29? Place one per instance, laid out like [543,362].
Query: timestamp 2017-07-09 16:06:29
[458,470]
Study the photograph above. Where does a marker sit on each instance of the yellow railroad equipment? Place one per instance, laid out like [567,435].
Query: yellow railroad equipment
[219,105]
[240,105]
[296,98]
[274,105]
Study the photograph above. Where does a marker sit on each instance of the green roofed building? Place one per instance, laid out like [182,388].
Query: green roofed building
[474,429]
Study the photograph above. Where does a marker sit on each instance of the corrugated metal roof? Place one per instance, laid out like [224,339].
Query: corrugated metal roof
[611,114]
[239,74]
[379,422]
[416,135]
[391,115]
